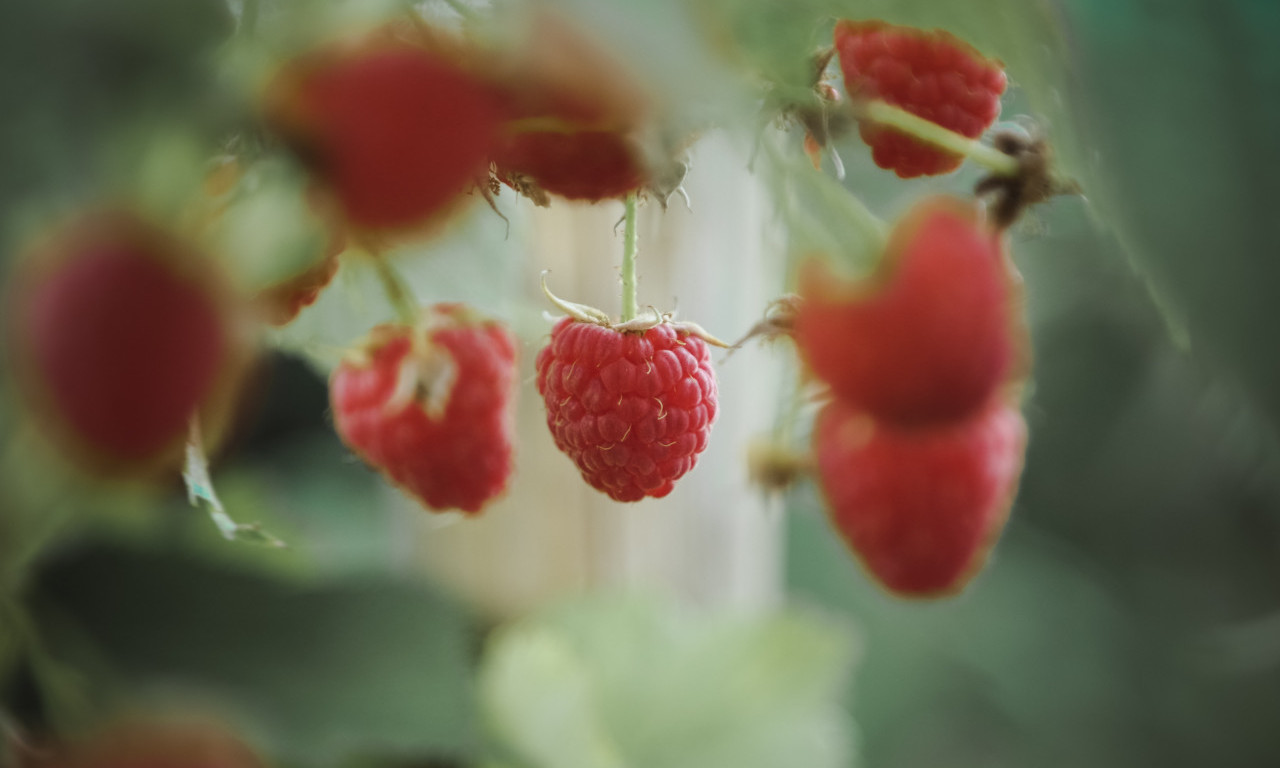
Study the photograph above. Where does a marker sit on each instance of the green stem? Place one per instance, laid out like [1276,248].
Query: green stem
[894,117]
[629,247]
[397,291]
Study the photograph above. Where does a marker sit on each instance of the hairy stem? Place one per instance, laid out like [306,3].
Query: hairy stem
[629,247]
[993,159]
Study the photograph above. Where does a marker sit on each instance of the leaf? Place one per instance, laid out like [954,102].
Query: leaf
[316,672]
[1185,158]
[652,685]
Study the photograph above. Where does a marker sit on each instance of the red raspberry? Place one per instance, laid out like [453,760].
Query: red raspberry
[431,407]
[920,508]
[395,130]
[931,74]
[120,338]
[932,335]
[575,112]
[633,410]
[578,165]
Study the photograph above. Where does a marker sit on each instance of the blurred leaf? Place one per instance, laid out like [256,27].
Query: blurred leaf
[316,672]
[642,683]
[1184,156]
[79,74]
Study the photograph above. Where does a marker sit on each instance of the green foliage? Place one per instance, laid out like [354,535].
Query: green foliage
[607,683]
[315,671]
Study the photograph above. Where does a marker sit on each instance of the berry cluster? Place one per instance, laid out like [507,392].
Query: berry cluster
[920,451]
[126,336]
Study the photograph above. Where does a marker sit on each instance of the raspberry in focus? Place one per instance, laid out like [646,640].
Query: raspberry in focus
[633,410]
[431,407]
[929,73]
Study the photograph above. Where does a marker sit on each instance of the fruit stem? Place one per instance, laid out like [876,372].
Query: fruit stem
[882,113]
[629,247]
[397,291]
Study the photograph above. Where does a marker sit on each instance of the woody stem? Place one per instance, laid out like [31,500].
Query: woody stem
[629,248]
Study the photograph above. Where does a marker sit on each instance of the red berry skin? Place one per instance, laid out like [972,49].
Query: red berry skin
[120,338]
[633,410]
[919,508]
[929,73]
[578,165]
[933,335]
[396,131]
[431,408]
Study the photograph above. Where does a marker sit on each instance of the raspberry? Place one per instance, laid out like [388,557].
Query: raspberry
[575,114]
[931,74]
[933,335]
[396,131]
[919,508]
[578,165]
[633,410]
[430,407]
[120,339]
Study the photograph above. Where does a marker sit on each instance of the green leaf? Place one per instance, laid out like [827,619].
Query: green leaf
[1184,163]
[648,684]
[315,672]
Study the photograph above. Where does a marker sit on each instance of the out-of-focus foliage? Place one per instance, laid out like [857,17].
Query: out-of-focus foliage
[315,671]
[614,682]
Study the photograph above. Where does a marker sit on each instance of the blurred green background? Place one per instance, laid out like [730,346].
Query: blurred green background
[1129,617]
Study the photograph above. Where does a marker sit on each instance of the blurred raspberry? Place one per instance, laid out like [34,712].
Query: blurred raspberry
[431,407]
[933,335]
[633,410]
[120,337]
[396,131]
[920,508]
[931,74]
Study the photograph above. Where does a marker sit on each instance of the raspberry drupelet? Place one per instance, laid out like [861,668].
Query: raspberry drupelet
[632,409]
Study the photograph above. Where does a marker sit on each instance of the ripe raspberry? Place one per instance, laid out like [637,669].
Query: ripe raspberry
[430,407]
[396,131]
[931,74]
[119,338]
[578,165]
[633,410]
[919,508]
[933,335]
